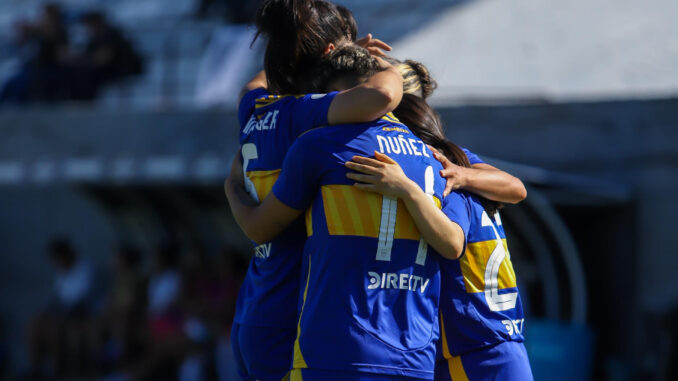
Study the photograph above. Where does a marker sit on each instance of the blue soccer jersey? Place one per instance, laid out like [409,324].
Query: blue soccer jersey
[472,157]
[479,302]
[269,125]
[370,299]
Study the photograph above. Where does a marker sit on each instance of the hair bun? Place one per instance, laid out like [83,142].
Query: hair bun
[428,84]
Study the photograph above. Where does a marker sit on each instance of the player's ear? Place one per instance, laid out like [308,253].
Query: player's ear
[330,47]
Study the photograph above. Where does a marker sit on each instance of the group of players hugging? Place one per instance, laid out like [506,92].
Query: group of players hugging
[379,250]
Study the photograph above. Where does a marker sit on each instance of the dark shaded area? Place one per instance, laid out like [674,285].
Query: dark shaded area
[607,242]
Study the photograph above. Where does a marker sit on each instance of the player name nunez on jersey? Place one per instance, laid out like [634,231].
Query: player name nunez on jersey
[267,122]
[401,145]
[397,281]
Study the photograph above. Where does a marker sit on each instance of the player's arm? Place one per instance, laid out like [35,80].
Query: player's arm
[260,222]
[379,95]
[259,81]
[385,176]
[481,179]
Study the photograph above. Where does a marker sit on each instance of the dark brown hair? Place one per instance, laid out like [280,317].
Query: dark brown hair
[298,32]
[425,123]
[349,20]
[350,63]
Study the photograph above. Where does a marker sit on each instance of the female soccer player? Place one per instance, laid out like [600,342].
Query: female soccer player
[265,323]
[481,314]
[369,304]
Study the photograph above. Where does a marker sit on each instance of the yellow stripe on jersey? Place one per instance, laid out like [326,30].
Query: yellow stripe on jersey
[457,369]
[438,203]
[443,337]
[391,118]
[473,264]
[309,222]
[454,364]
[350,211]
[295,375]
[269,100]
[347,195]
[299,362]
[263,181]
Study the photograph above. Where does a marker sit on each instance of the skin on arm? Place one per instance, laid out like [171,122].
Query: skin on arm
[261,223]
[385,176]
[481,179]
[378,96]
[369,101]
[259,81]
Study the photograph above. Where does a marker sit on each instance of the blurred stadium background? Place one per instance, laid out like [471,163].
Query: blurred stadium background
[119,256]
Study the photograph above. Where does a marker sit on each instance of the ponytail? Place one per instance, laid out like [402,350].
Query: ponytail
[426,81]
[425,123]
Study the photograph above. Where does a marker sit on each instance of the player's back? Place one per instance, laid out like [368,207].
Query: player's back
[370,303]
[480,303]
[269,126]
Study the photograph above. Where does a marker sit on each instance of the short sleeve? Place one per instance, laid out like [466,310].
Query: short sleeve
[472,157]
[310,111]
[456,208]
[247,104]
[300,176]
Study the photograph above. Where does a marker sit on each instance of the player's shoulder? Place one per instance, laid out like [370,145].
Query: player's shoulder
[268,102]
[314,138]
[459,195]
[335,131]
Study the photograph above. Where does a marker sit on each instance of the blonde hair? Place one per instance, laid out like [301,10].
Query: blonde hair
[417,78]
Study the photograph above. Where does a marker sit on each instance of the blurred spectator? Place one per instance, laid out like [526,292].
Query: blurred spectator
[165,282]
[165,317]
[119,332]
[57,337]
[52,70]
[127,293]
[73,283]
[175,325]
[44,46]
[232,269]
[210,292]
[108,57]
[199,294]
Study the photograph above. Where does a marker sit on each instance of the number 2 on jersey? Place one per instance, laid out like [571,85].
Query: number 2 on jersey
[495,300]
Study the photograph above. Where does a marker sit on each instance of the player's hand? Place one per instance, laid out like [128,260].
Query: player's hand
[375,46]
[381,175]
[454,174]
